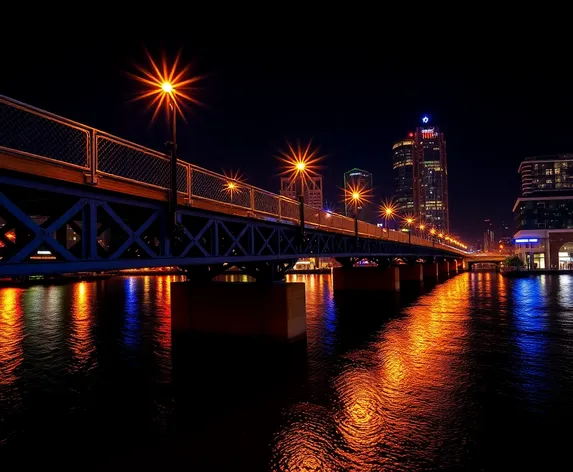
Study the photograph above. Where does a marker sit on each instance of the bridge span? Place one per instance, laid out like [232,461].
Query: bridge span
[76,199]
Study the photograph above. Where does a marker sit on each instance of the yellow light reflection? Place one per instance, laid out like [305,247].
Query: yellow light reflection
[11,334]
[81,339]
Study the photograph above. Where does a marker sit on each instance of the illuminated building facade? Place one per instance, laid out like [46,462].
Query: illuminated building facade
[402,168]
[430,177]
[544,212]
[312,190]
[488,237]
[358,178]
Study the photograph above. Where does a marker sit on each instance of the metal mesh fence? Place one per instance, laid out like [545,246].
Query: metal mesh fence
[24,130]
[289,210]
[266,202]
[120,159]
[215,187]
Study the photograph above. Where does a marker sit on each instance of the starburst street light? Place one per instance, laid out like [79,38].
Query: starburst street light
[300,164]
[233,184]
[409,220]
[172,87]
[388,211]
[357,196]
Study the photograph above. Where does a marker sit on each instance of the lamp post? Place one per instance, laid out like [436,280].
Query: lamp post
[356,197]
[167,89]
[433,234]
[300,171]
[409,222]
[388,213]
[422,228]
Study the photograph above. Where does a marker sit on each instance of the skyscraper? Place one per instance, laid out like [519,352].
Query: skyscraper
[430,176]
[402,155]
[488,237]
[312,190]
[358,178]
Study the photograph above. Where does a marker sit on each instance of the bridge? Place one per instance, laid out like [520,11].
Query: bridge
[485,258]
[77,199]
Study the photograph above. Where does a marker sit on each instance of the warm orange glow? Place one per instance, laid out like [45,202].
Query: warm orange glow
[409,220]
[164,85]
[10,235]
[388,209]
[433,231]
[300,161]
[422,227]
[234,183]
[81,340]
[11,334]
[441,235]
[357,195]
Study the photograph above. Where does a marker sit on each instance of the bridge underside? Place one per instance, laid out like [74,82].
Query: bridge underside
[48,227]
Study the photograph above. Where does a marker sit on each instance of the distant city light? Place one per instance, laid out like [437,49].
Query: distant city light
[527,240]
[425,119]
[410,135]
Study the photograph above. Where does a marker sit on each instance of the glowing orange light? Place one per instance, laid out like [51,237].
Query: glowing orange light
[300,161]
[164,85]
[433,231]
[11,235]
[441,235]
[388,209]
[357,195]
[422,227]
[234,182]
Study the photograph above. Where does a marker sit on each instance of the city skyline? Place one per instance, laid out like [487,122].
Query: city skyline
[249,113]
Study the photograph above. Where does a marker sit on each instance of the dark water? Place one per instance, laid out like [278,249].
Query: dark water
[474,374]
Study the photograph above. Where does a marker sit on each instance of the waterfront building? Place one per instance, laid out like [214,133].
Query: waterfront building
[544,212]
[402,168]
[312,190]
[362,179]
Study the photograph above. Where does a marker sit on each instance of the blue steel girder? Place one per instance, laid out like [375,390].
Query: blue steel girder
[137,234]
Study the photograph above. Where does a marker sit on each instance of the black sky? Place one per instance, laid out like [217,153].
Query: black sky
[353,102]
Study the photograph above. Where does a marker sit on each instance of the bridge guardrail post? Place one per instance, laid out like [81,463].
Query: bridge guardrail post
[252,198]
[189,184]
[91,158]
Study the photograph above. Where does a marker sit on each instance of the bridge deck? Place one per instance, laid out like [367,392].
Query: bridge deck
[39,143]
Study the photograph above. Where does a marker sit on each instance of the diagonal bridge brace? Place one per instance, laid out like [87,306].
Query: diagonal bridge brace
[41,235]
[133,236]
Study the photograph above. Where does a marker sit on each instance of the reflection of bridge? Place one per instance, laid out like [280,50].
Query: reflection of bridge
[485,258]
[76,199]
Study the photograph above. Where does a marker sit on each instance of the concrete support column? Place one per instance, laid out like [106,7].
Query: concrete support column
[411,273]
[443,269]
[366,278]
[430,270]
[274,310]
[453,267]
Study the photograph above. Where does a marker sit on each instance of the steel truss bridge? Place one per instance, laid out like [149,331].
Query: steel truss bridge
[76,199]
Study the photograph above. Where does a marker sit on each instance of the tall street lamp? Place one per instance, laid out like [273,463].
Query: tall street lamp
[356,198]
[409,221]
[173,87]
[168,90]
[301,163]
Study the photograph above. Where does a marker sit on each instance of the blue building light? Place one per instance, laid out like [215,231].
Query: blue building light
[425,119]
[527,240]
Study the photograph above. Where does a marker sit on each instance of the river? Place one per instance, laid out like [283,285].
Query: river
[475,373]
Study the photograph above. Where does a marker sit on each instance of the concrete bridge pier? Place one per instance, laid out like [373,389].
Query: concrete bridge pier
[412,273]
[453,267]
[443,269]
[431,271]
[269,308]
[366,278]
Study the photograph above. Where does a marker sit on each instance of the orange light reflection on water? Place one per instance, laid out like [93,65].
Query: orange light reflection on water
[81,340]
[400,387]
[11,334]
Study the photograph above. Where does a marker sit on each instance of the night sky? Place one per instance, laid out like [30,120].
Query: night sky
[353,102]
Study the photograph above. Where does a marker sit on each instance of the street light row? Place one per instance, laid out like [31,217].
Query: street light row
[174,87]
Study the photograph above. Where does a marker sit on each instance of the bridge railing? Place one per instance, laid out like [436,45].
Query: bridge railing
[40,135]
